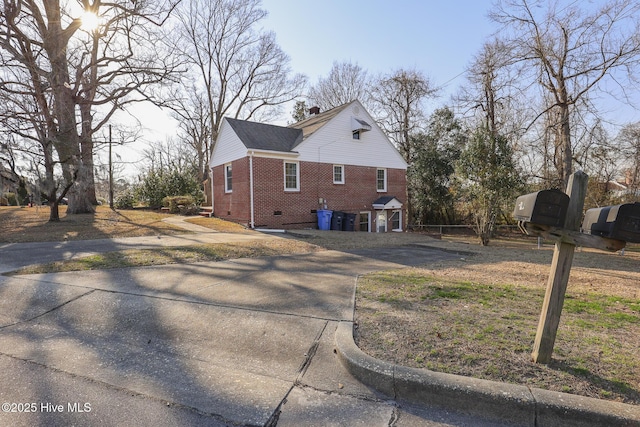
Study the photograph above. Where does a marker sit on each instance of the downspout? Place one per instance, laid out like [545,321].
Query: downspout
[252,223]
[212,207]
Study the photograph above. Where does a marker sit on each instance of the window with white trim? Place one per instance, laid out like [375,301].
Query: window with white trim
[365,221]
[291,176]
[228,179]
[381,180]
[338,174]
[396,221]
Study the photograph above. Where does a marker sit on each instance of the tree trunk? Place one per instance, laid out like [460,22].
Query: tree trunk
[565,144]
[80,192]
[50,188]
[54,214]
[66,139]
[87,161]
[86,148]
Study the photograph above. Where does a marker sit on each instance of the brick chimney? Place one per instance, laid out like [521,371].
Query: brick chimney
[314,110]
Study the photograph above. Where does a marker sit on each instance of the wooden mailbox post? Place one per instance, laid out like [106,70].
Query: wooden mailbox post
[567,239]
[559,276]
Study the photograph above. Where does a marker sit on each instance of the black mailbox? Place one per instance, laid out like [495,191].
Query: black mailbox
[546,207]
[620,222]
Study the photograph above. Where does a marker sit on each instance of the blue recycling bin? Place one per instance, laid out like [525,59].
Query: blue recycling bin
[324,219]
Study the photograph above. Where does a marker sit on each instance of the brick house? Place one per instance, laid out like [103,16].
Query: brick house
[267,176]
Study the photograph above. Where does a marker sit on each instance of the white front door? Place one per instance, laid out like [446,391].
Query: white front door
[381,222]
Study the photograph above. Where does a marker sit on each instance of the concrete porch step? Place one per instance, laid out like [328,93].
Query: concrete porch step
[206,211]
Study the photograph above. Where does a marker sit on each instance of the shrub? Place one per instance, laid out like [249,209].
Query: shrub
[184,205]
[125,200]
[156,185]
[189,209]
[12,200]
[22,196]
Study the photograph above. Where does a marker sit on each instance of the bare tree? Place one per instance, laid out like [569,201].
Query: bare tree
[72,74]
[28,128]
[629,141]
[241,69]
[194,118]
[572,50]
[399,105]
[9,176]
[346,82]
[487,166]
[492,96]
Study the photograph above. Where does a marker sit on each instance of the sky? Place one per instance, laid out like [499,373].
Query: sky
[438,38]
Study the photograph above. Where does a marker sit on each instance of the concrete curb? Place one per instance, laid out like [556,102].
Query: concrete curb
[510,403]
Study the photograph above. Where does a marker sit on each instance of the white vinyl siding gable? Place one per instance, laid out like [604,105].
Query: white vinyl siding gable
[228,147]
[333,143]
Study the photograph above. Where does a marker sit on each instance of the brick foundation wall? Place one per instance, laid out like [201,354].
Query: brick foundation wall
[276,208]
[233,206]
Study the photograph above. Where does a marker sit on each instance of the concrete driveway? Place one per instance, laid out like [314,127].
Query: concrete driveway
[242,342]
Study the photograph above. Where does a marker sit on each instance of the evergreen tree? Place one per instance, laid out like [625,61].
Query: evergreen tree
[490,180]
[299,111]
[430,174]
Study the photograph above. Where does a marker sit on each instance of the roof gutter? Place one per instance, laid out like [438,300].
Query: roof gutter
[274,154]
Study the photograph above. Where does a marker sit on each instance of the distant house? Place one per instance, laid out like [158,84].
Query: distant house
[268,176]
[9,181]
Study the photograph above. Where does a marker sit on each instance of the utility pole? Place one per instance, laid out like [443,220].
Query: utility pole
[110,173]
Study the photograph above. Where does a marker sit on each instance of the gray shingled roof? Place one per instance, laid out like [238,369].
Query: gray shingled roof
[384,200]
[261,136]
[315,122]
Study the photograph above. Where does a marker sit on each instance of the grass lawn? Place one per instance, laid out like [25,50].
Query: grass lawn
[32,224]
[476,315]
